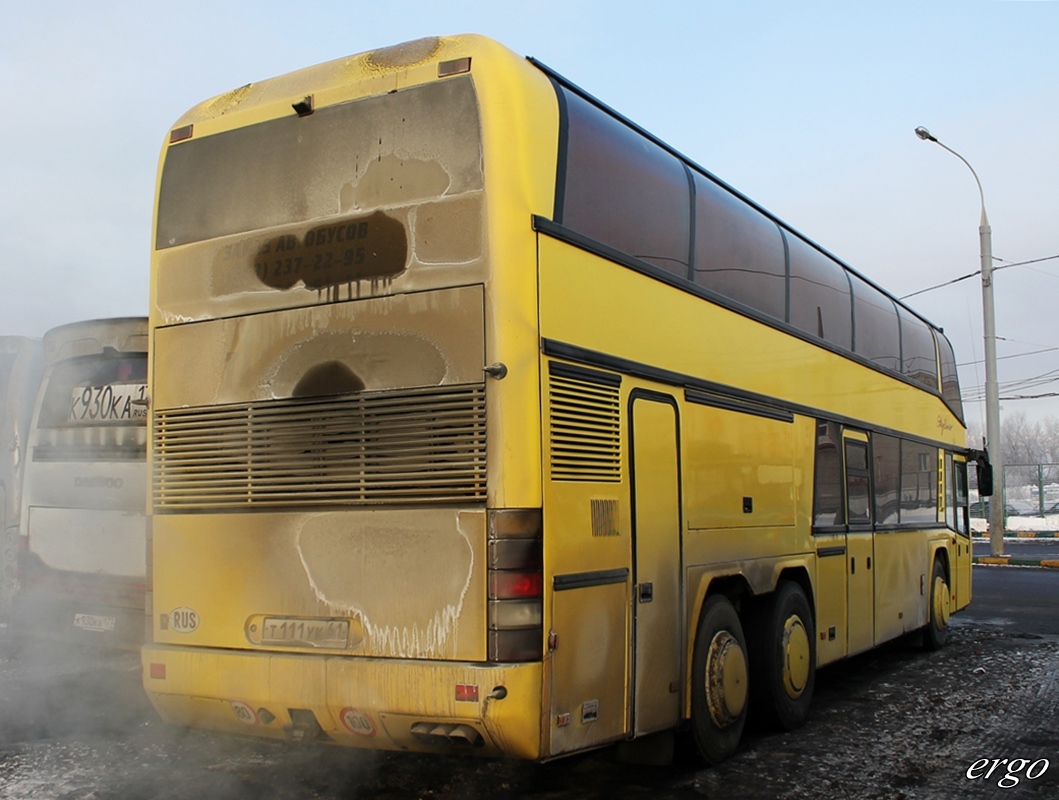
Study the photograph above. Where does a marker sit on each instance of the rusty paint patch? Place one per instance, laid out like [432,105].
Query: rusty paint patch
[343,252]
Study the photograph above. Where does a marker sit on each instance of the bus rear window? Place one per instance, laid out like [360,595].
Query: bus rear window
[380,152]
[96,390]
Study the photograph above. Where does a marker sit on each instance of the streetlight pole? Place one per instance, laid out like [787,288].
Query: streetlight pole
[992,391]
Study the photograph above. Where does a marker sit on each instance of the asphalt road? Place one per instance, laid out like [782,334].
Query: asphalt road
[1023,548]
[1016,599]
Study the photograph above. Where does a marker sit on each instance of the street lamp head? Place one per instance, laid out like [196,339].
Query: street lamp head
[924,134]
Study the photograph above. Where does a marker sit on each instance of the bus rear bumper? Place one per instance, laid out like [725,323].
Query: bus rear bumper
[383,704]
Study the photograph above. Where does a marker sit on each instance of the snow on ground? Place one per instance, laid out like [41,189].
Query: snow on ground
[1017,524]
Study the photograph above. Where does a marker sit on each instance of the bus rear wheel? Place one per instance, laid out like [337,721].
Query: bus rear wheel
[936,634]
[719,681]
[783,658]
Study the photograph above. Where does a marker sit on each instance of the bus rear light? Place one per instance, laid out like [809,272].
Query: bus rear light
[514,523]
[512,585]
[510,614]
[520,645]
[158,672]
[515,582]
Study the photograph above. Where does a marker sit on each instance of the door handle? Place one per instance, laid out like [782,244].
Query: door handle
[647,592]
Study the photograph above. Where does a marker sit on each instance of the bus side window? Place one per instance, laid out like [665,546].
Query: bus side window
[961,497]
[827,483]
[950,496]
[858,484]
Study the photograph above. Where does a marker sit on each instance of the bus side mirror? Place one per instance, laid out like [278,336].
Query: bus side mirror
[985,477]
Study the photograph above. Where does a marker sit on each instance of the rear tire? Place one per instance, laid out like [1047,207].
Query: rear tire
[936,634]
[783,658]
[719,681]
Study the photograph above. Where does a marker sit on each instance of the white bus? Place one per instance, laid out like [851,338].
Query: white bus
[21,363]
[82,558]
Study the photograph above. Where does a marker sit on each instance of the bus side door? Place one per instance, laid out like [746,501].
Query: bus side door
[657,619]
[860,544]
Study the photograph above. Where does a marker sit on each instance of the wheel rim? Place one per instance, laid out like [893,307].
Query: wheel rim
[726,679]
[796,657]
[941,603]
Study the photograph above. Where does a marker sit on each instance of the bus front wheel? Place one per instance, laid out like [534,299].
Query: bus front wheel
[936,634]
[783,657]
[720,680]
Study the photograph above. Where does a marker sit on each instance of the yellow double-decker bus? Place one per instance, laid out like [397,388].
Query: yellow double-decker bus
[482,419]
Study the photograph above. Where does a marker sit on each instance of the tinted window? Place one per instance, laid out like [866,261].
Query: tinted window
[820,301]
[396,149]
[918,360]
[858,484]
[875,331]
[827,486]
[961,497]
[950,383]
[919,484]
[738,250]
[886,453]
[950,499]
[623,190]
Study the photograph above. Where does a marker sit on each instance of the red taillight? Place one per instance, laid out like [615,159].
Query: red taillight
[516,583]
[158,671]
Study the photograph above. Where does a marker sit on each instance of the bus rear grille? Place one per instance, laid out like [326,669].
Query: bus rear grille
[406,446]
[585,430]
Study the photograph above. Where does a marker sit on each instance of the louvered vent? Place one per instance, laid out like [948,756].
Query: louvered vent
[408,446]
[585,425]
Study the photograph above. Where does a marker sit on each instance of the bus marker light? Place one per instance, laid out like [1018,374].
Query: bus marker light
[466,693]
[456,66]
[181,134]
[158,672]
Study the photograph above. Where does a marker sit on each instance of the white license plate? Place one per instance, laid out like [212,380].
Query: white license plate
[114,402]
[94,622]
[304,632]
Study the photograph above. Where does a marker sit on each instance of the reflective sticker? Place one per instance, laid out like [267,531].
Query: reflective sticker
[358,722]
[244,713]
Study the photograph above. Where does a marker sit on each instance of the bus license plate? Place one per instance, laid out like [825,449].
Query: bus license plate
[114,402]
[304,632]
[94,622]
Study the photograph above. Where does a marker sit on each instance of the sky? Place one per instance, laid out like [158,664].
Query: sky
[809,108]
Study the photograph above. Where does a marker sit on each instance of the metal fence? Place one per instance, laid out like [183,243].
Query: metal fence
[1030,490]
